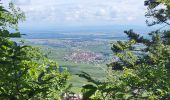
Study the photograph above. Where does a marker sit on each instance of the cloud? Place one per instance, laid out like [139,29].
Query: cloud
[102,12]
[66,11]
[22,2]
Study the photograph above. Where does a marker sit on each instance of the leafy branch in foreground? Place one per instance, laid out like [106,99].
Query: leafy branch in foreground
[25,72]
[143,64]
[144,72]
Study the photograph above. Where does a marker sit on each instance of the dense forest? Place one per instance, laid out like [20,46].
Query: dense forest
[138,73]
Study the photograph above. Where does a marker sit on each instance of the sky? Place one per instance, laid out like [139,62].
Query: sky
[81,12]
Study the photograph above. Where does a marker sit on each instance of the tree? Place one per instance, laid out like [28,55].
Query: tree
[143,65]
[25,72]
[160,15]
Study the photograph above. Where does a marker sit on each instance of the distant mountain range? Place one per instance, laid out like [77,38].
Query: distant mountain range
[86,29]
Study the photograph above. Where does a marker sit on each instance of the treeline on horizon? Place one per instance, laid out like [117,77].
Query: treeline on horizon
[27,73]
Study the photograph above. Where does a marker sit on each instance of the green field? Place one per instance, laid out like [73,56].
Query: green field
[56,52]
[96,71]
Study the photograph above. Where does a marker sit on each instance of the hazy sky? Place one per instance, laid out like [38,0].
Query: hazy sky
[82,12]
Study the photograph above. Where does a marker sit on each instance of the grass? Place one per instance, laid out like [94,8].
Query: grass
[94,70]
[57,54]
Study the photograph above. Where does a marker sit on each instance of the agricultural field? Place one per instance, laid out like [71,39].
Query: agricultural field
[89,55]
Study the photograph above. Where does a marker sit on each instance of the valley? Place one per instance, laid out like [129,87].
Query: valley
[87,53]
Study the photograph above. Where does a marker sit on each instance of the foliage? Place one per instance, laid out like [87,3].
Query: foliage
[25,72]
[159,11]
[144,76]
[143,66]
